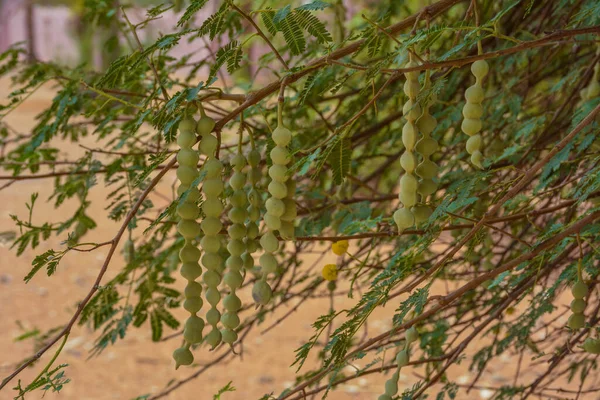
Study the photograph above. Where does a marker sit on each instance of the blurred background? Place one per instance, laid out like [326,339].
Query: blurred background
[54,30]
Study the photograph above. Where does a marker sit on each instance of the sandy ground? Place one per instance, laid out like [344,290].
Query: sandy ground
[136,366]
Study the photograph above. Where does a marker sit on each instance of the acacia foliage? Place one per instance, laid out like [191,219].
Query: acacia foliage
[343,100]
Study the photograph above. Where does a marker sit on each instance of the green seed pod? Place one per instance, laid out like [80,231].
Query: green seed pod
[480,69]
[269,242]
[191,270]
[205,125]
[421,213]
[473,144]
[275,207]
[193,289]
[187,211]
[408,162]
[474,94]
[268,263]
[384,397]
[237,215]
[287,230]
[183,356]
[253,158]
[211,278]
[212,187]
[408,199]
[409,136]
[234,263]
[280,155]
[232,303]
[272,222]
[290,210]
[213,339]
[427,123]
[208,145]
[211,226]
[278,173]
[576,321]
[404,219]
[282,136]
[408,183]
[192,333]
[187,125]
[191,195]
[476,159]
[189,229]
[210,244]
[591,345]
[411,111]
[230,320]
[472,111]
[277,189]
[193,304]
[411,335]
[187,157]
[236,247]
[427,187]
[579,290]
[261,292]
[402,358]
[471,126]
[238,179]
[578,306]
[236,231]
[253,213]
[391,386]
[427,169]
[186,139]
[229,336]
[213,168]
[426,146]
[186,175]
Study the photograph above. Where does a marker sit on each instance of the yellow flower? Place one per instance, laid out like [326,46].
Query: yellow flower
[329,272]
[340,248]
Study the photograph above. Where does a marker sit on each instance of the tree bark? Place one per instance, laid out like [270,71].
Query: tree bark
[30,26]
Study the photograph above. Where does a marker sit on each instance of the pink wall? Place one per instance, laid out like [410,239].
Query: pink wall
[54,29]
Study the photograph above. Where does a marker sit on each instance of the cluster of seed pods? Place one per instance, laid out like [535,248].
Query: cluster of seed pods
[188,227]
[402,358]
[237,231]
[472,112]
[275,206]
[212,188]
[403,217]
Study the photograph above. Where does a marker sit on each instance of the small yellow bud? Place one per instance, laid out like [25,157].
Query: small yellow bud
[329,272]
[340,248]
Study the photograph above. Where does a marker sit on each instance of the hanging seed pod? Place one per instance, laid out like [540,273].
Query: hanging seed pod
[426,147]
[278,190]
[237,231]
[254,200]
[577,318]
[212,187]
[402,359]
[189,255]
[472,112]
[403,217]
[287,229]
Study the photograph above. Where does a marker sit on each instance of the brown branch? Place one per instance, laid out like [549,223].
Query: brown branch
[261,34]
[115,241]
